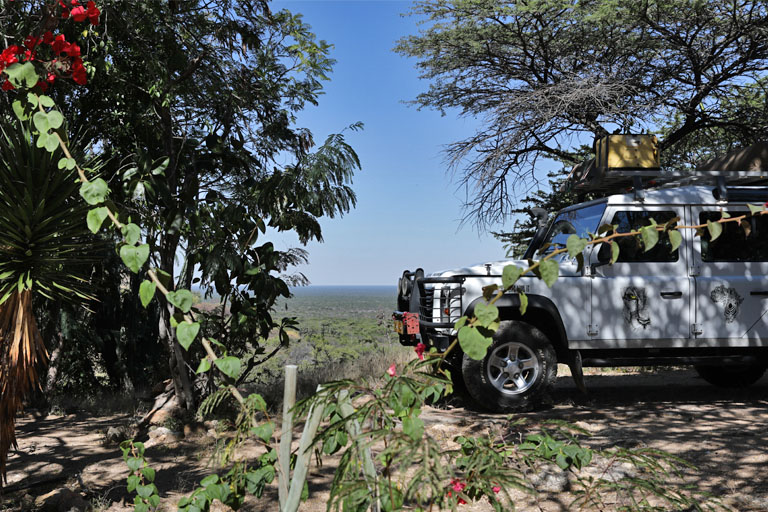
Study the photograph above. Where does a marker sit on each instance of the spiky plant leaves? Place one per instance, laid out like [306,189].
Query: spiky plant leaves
[44,247]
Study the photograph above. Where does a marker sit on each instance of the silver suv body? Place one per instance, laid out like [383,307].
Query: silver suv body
[704,304]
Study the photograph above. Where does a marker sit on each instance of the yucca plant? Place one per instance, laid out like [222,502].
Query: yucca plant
[44,247]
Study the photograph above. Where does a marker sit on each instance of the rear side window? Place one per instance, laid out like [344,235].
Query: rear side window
[631,248]
[746,241]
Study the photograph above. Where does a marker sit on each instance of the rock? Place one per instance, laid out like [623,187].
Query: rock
[61,500]
[162,436]
[116,435]
[550,479]
[194,430]
[165,408]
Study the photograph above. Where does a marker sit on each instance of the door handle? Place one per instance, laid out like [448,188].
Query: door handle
[671,295]
[759,293]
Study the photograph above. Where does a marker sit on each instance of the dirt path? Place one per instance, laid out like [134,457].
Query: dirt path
[723,432]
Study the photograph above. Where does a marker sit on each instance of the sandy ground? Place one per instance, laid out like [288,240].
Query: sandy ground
[723,432]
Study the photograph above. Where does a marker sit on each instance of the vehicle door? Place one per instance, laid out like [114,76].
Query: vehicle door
[731,284]
[644,298]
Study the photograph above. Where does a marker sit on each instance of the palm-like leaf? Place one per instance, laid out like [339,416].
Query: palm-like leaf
[44,243]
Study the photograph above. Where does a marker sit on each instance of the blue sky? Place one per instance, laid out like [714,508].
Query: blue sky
[409,210]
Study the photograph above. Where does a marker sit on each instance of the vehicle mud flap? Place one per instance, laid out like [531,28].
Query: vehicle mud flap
[574,363]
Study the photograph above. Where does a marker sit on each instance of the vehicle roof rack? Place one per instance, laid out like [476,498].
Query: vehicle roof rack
[741,167]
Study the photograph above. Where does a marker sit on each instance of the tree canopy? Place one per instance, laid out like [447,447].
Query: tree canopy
[192,107]
[546,76]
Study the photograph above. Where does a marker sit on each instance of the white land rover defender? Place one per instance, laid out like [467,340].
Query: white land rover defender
[704,304]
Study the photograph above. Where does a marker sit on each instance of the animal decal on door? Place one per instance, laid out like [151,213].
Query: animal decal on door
[635,308]
[729,300]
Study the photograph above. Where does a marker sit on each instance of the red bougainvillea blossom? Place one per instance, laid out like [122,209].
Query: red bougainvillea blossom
[64,58]
[457,486]
[80,13]
[420,348]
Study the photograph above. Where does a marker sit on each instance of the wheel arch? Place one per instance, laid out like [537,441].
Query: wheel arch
[541,313]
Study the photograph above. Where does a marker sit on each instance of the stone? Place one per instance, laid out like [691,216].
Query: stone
[194,430]
[61,500]
[550,479]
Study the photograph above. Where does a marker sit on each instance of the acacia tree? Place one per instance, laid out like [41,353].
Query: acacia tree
[546,76]
[192,106]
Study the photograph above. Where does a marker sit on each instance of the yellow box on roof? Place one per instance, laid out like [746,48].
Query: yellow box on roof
[627,152]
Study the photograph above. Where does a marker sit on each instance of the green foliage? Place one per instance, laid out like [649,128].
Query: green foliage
[45,245]
[547,77]
[141,477]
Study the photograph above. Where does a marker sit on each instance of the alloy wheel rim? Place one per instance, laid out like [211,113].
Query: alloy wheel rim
[512,368]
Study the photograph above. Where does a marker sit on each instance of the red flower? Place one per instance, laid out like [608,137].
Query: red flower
[420,348]
[93,13]
[51,77]
[31,41]
[48,37]
[59,44]
[392,371]
[496,489]
[7,86]
[42,85]
[8,56]
[73,50]
[79,74]
[29,55]
[78,13]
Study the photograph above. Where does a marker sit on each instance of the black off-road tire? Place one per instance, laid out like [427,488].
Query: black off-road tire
[529,369]
[739,376]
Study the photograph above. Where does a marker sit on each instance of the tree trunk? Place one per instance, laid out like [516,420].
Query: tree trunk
[182,384]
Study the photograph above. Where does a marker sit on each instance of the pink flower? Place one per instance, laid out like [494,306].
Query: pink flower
[420,348]
[458,485]
[392,371]
[496,489]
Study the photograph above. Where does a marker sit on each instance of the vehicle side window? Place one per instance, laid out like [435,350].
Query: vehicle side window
[745,241]
[631,249]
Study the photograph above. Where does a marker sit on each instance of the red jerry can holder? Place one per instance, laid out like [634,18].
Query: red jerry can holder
[411,323]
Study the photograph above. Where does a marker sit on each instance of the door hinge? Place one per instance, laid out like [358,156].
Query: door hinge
[593,329]
[696,329]
[694,270]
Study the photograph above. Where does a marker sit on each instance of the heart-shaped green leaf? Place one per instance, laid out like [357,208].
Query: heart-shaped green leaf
[486,314]
[131,233]
[675,239]
[95,218]
[473,342]
[55,119]
[186,333]
[714,229]
[550,271]
[650,237]
[147,292]
[229,366]
[94,192]
[134,257]
[510,275]
[575,245]
[182,299]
